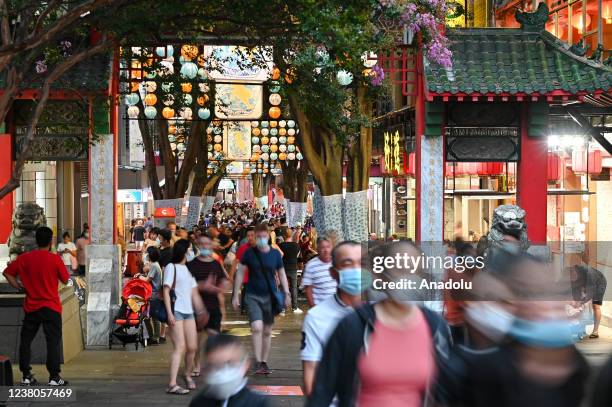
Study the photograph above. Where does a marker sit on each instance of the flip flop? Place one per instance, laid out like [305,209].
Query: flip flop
[177,390]
[594,336]
[191,385]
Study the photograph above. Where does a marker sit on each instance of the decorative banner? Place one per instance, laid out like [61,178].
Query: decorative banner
[237,139]
[238,101]
[193,213]
[234,168]
[227,62]
[102,188]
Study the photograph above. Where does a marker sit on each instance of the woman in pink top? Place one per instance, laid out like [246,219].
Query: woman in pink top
[384,354]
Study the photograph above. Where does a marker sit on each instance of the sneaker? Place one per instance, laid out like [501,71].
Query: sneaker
[153,342]
[57,381]
[260,368]
[298,311]
[265,368]
[282,314]
[29,380]
[162,340]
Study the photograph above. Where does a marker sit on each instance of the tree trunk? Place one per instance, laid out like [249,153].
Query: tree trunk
[260,189]
[151,167]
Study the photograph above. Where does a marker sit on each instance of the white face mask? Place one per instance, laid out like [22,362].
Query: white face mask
[223,383]
[490,319]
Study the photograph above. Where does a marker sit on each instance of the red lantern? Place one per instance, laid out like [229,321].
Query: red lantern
[554,166]
[582,164]
[490,169]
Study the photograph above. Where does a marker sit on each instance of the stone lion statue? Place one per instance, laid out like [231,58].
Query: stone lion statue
[508,220]
[27,218]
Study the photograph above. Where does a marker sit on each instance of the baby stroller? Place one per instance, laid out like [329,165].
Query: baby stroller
[134,309]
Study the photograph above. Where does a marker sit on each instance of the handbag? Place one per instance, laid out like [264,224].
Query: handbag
[277,297]
[158,307]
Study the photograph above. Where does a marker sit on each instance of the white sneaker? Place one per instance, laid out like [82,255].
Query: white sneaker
[282,314]
[298,311]
[58,381]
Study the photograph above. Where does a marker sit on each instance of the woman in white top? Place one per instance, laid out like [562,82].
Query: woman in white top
[181,321]
[67,250]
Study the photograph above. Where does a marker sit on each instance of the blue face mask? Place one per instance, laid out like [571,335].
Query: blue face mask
[554,333]
[206,252]
[262,242]
[353,281]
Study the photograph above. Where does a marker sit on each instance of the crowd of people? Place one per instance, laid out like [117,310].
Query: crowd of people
[507,340]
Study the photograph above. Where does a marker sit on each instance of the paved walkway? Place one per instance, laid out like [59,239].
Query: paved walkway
[138,378]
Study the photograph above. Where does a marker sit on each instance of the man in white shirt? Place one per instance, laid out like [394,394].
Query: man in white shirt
[317,283]
[67,250]
[321,320]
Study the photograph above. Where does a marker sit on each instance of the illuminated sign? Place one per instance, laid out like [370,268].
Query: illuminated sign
[393,164]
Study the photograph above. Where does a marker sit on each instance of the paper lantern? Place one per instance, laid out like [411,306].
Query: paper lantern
[217,129]
[273,156]
[186,87]
[291,148]
[290,140]
[167,86]
[299,156]
[204,88]
[164,52]
[255,140]
[290,75]
[218,147]
[265,123]
[150,86]
[265,131]
[189,51]
[218,139]
[274,132]
[282,156]
[150,99]
[344,78]
[580,158]
[275,99]
[273,140]
[168,112]
[256,131]
[134,86]
[189,70]
[273,124]
[202,74]
[282,123]
[210,155]
[254,123]
[187,99]
[131,99]
[202,100]
[186,113]
[256,149]
[171,129]
[203,113]
[274,87]
[369,59]
[265,140]
[274,148]
[265,156]
[282,140]
[291,156]
[133,112]
[168,99]
[166,68]
[282,131]
[276,73]
[554,167]
[291,123]
[150,112]
[265,148]
[291,132]
[274,112]
[282,148]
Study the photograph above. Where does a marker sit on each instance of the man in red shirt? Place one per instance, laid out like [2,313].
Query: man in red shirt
[38,273]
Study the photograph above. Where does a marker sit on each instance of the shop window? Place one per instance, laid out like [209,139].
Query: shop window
[591,42]
[606,26]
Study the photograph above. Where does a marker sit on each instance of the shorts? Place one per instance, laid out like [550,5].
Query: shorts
[81,270]
[214,320]
[259,308]
[179,316]
[599,289]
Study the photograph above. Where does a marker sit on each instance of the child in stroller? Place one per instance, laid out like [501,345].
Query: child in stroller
[132,313]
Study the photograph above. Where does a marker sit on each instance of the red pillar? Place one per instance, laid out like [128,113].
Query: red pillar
[6,170]
[532,180]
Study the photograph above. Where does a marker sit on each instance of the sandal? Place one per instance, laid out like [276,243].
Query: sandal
[594,336]
[191,385]
[195,373]
[177,390]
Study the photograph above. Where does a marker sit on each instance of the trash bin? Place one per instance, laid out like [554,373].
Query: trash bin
[6,371]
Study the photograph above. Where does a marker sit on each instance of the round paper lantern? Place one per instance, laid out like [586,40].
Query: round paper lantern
[265,131]
[203,113]
[282,139]
[202,74]
[171,139]
[273,140]
[189,70]
[186,87]
[282,123]
[166,86]
[187,99]
[290,140]
[131,99]
[202,99]
[254,140]
[273,156]
[273,123]
[209,130]
[217,130]
[210,147]
[265,148]
[210,155]
[186,113]
[166,68]
[168,112]
[291,148]
[168,99]
[218,147]
[291,156]
[150,99]
[189,51]
[369,59]
[344,78]
[265,156]
[282,131]
[282,156]
[150,112]
[274,148]
[290,75]
[275,99]
[181,147]
[274,87]
[291,123]
[218,139]
[256,131]
[254,123]
[282,148]
[171,129]
[275,112]
[265,140]
[164,52]
[133,112]
[299,155]
[150,86]
[274,132]
[276,73]
[265,124]
[260,171]
[256,149]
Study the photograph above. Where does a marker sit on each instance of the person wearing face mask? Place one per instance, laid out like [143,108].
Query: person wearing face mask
[81,252]
[212,281]
[226,366]
[264,264]
[367,362]
[322,319]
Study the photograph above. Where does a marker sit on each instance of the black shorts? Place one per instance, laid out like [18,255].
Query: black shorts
[214,320]
[259,308]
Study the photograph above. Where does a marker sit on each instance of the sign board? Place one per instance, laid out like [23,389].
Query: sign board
[130,195]
[164,213]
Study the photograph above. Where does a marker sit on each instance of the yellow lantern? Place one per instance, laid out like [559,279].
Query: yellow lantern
[201,60]
[290,140]
[168,112]
[282,131]
[136,72]
[274,148]
[265,140]
[275,112]
[134,86]
[189,51]
[276,73]
[150,99]
[273,123]
[290,75]
[209,138]
[282,156]
[201,100]
[186,87]
[218,147]
[256,131]
[172,129]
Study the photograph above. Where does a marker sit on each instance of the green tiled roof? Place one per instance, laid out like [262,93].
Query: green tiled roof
[514,61]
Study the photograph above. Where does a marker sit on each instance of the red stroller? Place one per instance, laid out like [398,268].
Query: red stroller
[134,309]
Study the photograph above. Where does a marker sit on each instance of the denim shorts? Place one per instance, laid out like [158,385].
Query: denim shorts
[179,316]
